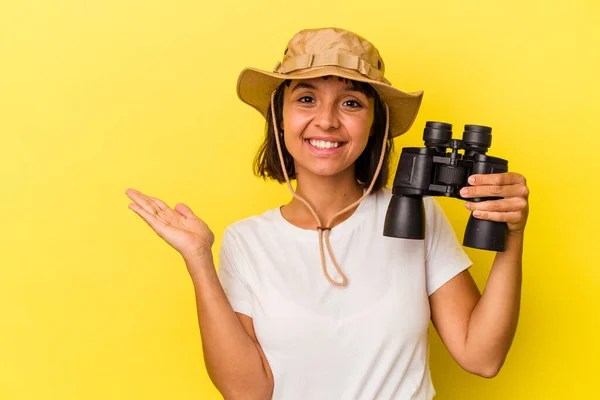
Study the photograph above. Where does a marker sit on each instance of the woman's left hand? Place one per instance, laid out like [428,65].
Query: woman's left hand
[513,208]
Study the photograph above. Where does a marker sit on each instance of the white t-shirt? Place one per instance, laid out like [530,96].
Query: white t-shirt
[367,340]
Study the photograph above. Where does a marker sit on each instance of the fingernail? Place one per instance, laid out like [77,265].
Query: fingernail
[477,214]
[464,191]
[468,205]
[471,180]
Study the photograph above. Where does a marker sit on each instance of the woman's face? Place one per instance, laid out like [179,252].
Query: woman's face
[326,125]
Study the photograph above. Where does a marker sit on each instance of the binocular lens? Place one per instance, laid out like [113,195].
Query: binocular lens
[405,218]
[437,133]
[477,136]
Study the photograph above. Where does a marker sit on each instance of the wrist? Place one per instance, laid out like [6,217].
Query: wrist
[514,244]
[200,255]
[516,234]
[198,263]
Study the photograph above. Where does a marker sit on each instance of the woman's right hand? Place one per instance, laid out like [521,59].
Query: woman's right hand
[179,227]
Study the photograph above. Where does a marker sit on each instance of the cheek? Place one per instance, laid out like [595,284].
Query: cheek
[361,139]
[295,123]
[290,144]
[292,118]
[361,146]
[293,143]
[361,132]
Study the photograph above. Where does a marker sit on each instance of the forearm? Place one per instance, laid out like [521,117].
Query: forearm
[493,322]
[232,359]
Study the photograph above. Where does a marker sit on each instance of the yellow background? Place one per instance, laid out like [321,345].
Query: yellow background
[99,96]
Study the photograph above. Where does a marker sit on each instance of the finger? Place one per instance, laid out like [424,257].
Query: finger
[509,217]
[156,224]
[142,200]
[504,205]
[184,210]
[518,190]
[165,212]
[151,205]
[159,203]
[506,178]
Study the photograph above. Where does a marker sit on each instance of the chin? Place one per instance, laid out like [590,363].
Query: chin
[328,172]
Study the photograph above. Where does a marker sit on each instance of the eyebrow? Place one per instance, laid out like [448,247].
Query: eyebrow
[303,85]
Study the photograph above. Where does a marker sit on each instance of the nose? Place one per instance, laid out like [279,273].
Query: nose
[327,117]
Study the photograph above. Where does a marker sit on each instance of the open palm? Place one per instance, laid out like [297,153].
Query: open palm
[179,227]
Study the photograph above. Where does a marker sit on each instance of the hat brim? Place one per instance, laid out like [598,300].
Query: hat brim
[254,87]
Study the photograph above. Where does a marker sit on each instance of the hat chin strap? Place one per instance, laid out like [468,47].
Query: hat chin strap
[327,228]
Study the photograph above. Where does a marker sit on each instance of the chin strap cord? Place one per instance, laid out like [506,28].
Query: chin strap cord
[324,230]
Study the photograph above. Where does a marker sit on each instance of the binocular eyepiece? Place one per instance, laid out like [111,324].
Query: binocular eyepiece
[438,169]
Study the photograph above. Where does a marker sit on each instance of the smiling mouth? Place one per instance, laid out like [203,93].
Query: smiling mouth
[322,144]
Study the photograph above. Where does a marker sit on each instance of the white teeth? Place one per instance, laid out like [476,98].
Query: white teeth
[321,144]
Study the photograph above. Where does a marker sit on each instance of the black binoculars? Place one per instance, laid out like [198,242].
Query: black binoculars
[434,171]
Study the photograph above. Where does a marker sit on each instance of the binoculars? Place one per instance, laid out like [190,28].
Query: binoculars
[434,171]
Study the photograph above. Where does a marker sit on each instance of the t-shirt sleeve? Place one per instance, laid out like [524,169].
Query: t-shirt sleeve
[445,257]
[231,262]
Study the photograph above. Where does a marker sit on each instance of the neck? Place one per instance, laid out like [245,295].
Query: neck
[327,196]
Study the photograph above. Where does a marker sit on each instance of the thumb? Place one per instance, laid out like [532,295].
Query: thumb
[184,210]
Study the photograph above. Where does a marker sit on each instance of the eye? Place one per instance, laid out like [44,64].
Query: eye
[352,103]
[305,99]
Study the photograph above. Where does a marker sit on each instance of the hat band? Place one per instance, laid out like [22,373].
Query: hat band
[343,60]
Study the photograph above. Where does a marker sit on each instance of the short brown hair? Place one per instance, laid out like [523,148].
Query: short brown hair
[267,164]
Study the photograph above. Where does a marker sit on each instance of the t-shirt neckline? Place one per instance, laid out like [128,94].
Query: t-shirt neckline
[343,228]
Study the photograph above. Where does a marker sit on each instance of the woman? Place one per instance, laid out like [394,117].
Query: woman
[311,300]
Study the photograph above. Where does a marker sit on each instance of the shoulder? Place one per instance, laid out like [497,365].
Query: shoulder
[250,226]
[381,199]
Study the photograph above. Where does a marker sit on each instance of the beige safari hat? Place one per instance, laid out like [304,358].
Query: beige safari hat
[314,53]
